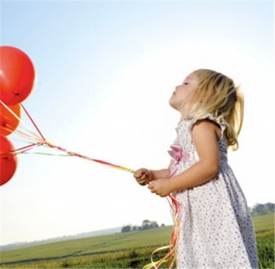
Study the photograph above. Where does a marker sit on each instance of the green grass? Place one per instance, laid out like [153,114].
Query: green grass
[264,222]
[122,250]
[265,247]
[92,245]
[135,258]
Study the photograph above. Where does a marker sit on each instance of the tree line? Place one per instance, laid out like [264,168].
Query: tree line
[262,209]
[146,224]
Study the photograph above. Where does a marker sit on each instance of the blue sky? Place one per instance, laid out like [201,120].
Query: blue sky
[105,71]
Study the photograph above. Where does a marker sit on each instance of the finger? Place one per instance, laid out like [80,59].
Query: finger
[141,179]
[150,186]
[143,176]
[137,174]
[142,183]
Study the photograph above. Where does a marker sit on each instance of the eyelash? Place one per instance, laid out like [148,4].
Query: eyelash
[185,83]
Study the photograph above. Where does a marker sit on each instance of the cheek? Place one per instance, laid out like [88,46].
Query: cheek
[182,95]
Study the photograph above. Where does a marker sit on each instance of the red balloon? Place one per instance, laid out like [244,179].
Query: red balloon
[17,75]
[8,161]
[8,120]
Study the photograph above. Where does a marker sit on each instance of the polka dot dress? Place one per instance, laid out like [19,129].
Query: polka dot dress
[216,230]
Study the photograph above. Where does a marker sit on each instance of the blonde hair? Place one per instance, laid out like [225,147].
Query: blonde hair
[217,94]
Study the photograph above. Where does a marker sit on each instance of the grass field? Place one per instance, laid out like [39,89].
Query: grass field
[92,245]
[264,222]
[121,250]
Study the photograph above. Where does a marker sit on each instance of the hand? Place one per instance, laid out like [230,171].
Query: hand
[160,187]
[143,176]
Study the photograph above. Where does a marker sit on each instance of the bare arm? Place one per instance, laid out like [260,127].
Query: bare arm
[143,176]
[205,135]
[162,173]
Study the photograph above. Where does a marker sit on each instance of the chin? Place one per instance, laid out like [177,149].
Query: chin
[173,105]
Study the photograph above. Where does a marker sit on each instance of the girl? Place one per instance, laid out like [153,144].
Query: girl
[216,230]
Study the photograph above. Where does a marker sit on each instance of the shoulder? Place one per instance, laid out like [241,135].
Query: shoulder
[207,127]
[209,122]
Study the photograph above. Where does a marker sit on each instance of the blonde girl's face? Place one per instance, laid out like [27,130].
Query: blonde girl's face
[182,96]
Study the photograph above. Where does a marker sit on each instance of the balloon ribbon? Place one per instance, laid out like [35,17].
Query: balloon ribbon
[170,256]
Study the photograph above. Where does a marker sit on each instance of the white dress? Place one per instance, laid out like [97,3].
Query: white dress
[217,230]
